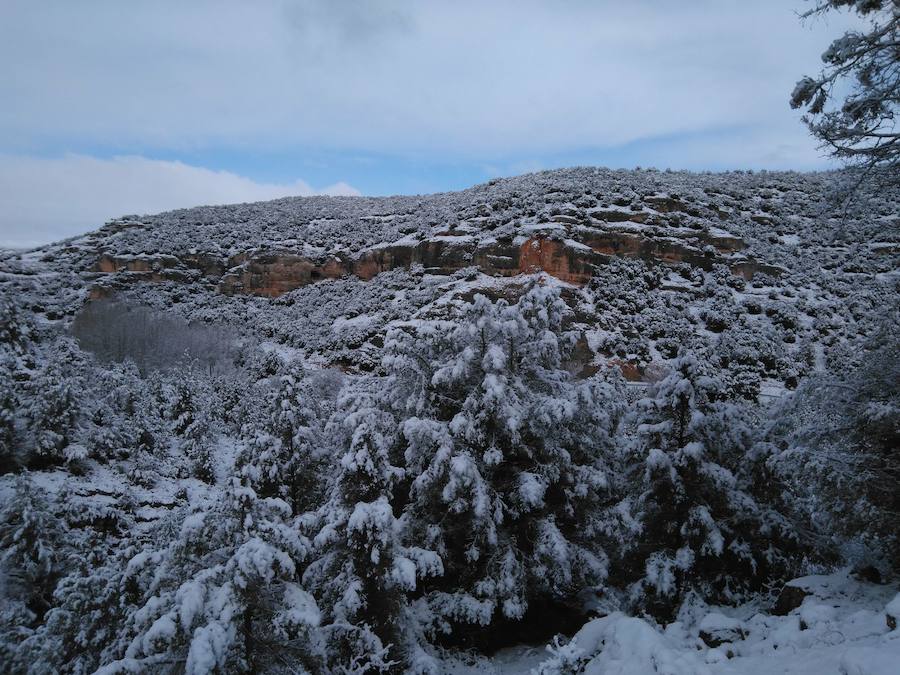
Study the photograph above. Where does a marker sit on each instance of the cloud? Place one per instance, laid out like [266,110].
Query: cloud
[473,80]
[49,199]
[438,92]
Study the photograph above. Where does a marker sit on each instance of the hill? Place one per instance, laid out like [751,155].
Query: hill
[353,434]
[769,249]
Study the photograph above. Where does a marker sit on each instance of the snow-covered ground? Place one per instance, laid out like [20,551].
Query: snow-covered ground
[839,629]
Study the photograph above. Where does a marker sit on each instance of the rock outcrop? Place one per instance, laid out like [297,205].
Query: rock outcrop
[570,255]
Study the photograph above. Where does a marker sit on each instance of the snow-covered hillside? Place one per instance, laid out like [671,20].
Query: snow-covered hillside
[388,434]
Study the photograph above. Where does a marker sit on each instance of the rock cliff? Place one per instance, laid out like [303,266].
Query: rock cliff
[565,247]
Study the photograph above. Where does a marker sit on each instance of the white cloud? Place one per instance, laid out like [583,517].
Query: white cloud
[467,79]
[49,199]
[512,85]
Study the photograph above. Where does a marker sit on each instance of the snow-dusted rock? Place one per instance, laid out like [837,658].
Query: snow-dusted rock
[892,612]
[716,629]
[789,599]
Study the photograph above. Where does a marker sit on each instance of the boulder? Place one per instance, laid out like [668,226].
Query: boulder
[892,613]
[717,629]
[790,598]
[868,573]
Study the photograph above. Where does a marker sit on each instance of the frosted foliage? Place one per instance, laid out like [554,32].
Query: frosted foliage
[282,454]
[426,452]
[362,569]
[841,431]
[493,424]
[211,615]
[692,498]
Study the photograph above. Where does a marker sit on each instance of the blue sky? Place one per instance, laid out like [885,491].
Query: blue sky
[136,107]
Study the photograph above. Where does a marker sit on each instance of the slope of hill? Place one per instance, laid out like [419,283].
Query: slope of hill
[184,398]
[653,259]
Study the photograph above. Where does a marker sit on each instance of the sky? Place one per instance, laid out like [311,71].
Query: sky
[113,108]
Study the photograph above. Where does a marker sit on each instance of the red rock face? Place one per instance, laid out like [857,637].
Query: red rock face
[749,268]
[99,292]
[270,274]
[109,264]
[632,372]
[555,258]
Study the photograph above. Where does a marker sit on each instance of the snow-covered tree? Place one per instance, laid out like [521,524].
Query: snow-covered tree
[224,596]
[363,572]
[9,459]
[17,333]
[701,529]
[231,400]
[105,433]
[862,67]
[840,436]
[29,564]
[55,407]
[507,457]
[197,447]
[284,451]
[182,404]
[83,627]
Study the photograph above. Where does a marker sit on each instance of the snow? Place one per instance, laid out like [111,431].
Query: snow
[539,227]
[207,650]
[75,452]
[623,645]
[159,634]
[531,489]
[190,599]
[721,233]
[716,621]
[459,239]
[372,518]
[868,661]
[300,608]
[577,245]
[362,321]
[404,573]
[847,636]
[504,454]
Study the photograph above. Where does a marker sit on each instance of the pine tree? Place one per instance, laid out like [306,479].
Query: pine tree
[364,573]
[182,407]
[862,67]
[701,529]
[840,434]
[9,460]
[17,334]
[107,434]
[224,597]
[117,411]
[507,456]
[197,447]
[82,629]
[283,453]
[230,393]
[29,535]
[54,406]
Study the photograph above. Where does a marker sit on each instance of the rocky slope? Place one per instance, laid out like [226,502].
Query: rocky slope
[704,253]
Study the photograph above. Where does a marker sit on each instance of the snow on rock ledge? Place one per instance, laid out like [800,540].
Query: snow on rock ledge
[273,273]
